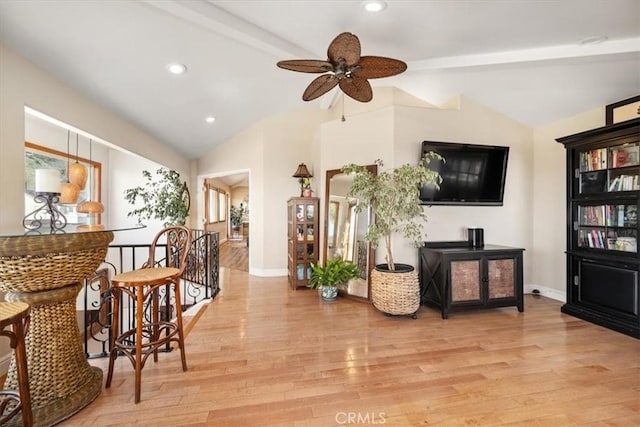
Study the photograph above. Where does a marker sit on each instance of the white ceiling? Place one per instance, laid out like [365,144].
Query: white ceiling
[519,57]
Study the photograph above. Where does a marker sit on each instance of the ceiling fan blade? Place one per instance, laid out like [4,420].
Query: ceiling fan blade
[319,86]
[375,67]
[357,88]
[346,46]
[306,65]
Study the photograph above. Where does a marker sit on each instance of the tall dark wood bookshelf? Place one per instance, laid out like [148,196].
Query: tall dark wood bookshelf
[603,190]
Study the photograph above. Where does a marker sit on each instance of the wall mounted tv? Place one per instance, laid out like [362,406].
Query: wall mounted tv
[471,175]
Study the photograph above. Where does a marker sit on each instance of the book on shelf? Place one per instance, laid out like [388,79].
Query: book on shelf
[624,183]
[615,215]
[595,238]
[625,155]
[593,160]
[620,215]
[593,215]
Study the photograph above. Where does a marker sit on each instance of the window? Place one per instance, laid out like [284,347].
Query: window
[215,204]
[39,157]
[222,205]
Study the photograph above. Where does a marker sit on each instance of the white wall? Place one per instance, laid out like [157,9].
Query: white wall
[472,123]
[394,134]
[23,84]
[271,151]
[550,207]
[391,129]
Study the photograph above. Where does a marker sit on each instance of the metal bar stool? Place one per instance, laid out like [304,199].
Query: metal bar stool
[16,316]
[142,285]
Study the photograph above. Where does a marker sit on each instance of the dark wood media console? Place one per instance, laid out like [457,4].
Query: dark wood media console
[456,277]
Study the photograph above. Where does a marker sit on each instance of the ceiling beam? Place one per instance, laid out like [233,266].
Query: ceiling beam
[221,22]
[528,55]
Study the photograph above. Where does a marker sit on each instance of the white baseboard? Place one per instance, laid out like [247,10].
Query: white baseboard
[275,272]
[546,292]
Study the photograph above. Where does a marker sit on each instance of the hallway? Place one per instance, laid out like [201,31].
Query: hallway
[234,254]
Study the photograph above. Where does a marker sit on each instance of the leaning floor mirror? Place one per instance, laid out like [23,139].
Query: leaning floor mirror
[344,231]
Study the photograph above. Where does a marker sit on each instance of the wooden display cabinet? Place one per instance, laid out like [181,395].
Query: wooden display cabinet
[456,277]
[302,236]
[603,190]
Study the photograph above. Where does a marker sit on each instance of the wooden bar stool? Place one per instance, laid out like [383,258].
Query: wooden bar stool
[142,285]
[14,318]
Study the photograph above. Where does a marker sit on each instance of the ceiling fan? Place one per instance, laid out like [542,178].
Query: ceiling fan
[346,68]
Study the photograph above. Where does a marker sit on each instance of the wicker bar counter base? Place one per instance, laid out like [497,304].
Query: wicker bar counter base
[396,293]
[46,272]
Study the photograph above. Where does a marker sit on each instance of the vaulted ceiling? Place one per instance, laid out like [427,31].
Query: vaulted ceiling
[534,61]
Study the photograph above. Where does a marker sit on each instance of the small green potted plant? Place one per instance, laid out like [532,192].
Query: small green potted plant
[335,272]
[165,197]
[236,216]
[394,198]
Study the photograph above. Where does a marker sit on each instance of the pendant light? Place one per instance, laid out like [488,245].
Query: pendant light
[68,191]
[93,208]
[77,171]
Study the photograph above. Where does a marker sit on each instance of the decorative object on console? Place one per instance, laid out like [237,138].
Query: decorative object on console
[77,172]
[346,68]
[47,193]
[166,198]
[394,199]
[476,237]
[69,191]
[303,175]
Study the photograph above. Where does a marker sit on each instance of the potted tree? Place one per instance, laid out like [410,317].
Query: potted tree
[236,216]
[335,272]
[394,197]
[165,197]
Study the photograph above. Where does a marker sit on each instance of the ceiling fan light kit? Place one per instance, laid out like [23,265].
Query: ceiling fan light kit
[345,68]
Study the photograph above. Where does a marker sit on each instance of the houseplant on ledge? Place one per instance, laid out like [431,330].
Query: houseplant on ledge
[327,278]
[394,198]
[165,198]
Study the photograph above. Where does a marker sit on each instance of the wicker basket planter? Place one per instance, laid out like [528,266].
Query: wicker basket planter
[396,292]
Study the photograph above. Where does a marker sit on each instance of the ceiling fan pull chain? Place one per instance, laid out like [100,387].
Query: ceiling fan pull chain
[343,119]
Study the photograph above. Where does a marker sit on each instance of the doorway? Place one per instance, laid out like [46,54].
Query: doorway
[232,219]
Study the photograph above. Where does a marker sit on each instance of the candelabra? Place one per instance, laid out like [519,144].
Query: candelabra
[36,219]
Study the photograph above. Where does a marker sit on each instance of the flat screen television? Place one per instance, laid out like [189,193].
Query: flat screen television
[471,174]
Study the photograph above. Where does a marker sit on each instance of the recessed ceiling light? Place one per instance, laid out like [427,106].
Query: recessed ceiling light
[374,5]
[210,119]
[176,68]
[591,40]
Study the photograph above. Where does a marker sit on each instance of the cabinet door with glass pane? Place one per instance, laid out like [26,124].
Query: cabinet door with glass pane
[605,195]
[303,217]
[608,226]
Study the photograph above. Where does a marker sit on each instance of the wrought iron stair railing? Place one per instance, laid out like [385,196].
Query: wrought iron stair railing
[200,282]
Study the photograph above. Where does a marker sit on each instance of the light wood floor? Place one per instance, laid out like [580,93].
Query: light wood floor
[234,254]
[263,355]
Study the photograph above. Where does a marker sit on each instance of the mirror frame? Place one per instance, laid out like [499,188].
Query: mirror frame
[371,258]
